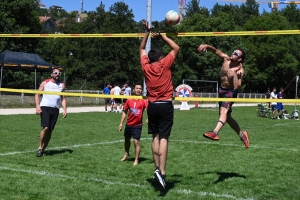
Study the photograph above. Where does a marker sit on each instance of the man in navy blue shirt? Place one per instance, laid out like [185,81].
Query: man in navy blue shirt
[106,90]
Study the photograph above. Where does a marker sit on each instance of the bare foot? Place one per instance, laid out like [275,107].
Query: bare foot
[136,162]
[125,157]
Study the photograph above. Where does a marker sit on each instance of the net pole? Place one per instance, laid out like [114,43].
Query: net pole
[148,44]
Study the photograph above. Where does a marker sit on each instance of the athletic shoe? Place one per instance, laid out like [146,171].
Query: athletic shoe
[161,178]
[245,139]
[211,135]
[39,153]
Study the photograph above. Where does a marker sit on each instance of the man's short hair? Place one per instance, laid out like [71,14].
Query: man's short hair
[243,54]
[54,68]
[154,55]
[138,83]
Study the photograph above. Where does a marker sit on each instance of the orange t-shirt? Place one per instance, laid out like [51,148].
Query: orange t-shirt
[158,78]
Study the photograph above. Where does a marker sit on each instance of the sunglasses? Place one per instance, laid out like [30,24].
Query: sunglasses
[56,73]
[237,54]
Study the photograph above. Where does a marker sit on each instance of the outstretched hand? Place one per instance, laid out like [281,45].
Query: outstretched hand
[147,27]
[202,47]
[156,35]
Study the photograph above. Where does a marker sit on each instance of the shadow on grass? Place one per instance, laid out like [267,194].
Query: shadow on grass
[169,184]
[54,152]
[141,159]
[225,175]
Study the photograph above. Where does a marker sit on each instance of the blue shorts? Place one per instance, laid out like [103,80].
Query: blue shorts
[279,106]
[133,131]
[274,107]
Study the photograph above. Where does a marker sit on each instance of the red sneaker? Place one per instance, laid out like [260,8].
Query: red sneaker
[245,139]
[211,135]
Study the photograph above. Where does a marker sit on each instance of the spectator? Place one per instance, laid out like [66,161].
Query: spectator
[117,91]
[280,108]
[274,104]
[267,96]
[106,91]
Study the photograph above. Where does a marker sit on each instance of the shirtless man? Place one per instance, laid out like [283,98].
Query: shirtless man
[231,80]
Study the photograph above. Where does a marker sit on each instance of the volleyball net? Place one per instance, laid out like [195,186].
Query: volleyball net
[9,96]
[22,98]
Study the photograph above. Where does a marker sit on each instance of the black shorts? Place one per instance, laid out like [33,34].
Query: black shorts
[117,100]
[124,100]
[133,131]
[107,100]
[160,118]
[49,117]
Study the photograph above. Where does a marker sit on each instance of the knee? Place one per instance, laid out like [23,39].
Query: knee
[136,143]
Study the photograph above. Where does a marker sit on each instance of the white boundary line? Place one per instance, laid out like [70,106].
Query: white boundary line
[62,147]
[235,145]
[183,141]
[180,191]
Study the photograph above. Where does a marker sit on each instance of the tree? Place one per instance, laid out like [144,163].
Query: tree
[247,10]
[194,65]
[19,17]
[97,61]
[193,7]
[292,14]
[273,59]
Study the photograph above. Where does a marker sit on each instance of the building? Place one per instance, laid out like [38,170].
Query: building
[42,6]
[48,24]
[80,17]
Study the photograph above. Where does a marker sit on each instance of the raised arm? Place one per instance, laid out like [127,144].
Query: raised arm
[144,41]
[175,48]
[206,47]
[237,79]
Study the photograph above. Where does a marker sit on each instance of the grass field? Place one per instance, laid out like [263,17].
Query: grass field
[83,159]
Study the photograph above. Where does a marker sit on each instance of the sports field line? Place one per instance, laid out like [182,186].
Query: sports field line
[286,124]
[63,147]
[180,141]
[235,145]
[179,191]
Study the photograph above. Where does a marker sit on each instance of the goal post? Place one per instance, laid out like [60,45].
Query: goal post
[208,91]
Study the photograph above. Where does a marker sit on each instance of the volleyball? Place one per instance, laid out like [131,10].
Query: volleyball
[172,17]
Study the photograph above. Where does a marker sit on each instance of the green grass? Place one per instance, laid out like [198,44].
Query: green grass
[83,159]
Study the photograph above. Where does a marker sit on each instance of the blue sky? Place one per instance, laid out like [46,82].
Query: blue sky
[139,7]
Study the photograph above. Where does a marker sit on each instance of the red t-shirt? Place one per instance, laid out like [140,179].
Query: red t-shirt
[135,108]
[158,78]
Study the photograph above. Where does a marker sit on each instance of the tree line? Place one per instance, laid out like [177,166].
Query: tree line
[271,60]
